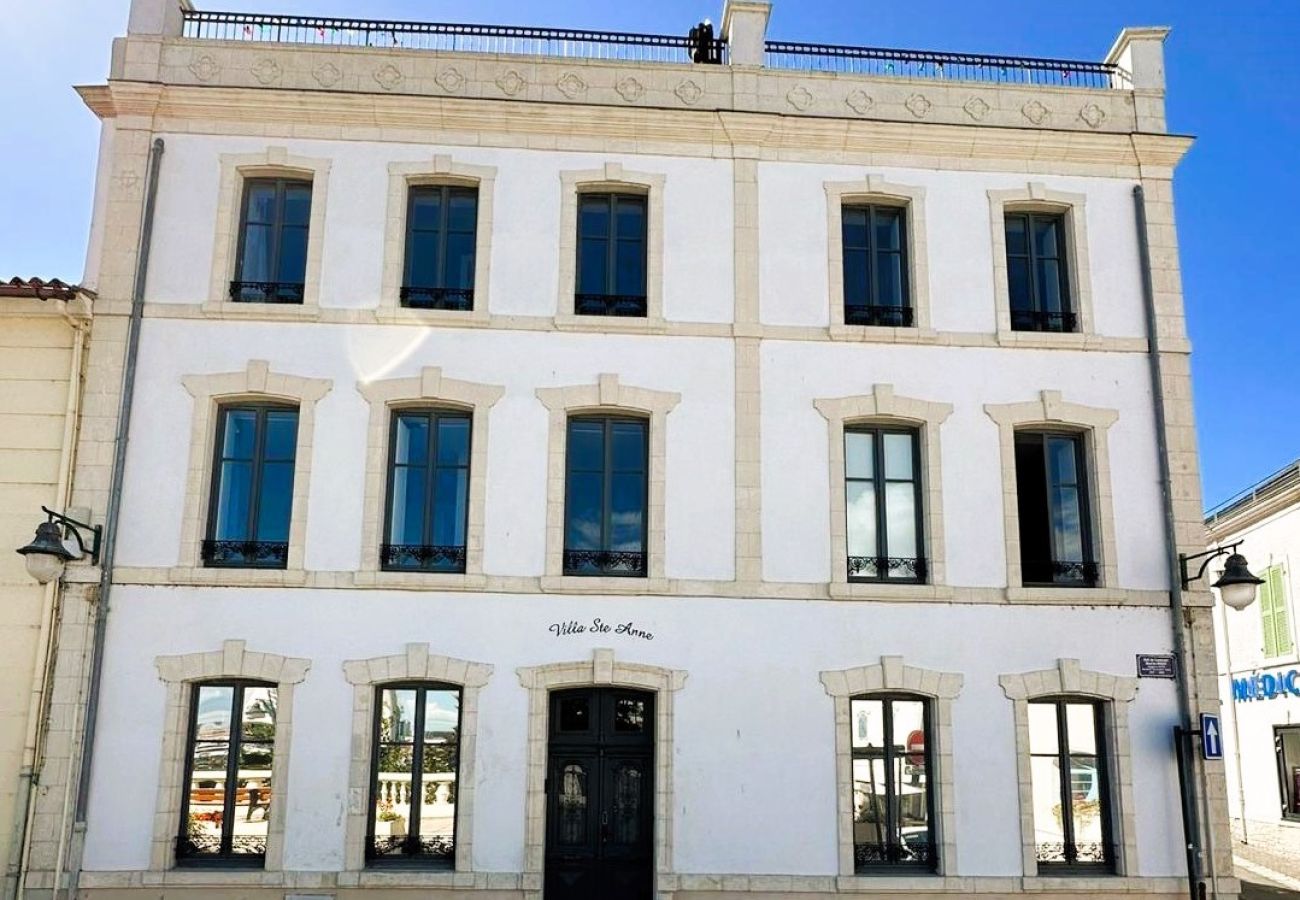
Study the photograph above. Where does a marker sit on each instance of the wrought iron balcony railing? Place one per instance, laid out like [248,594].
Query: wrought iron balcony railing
[1069,853]
[246,554]
[399,848]
[928,64]
[896,316]
[266,291]
[871,855]
[422,558]
[624,563]
[905,569]
[200,849]
[460,299]
[609,305]
[1043,320]
[574,43]
[1062,573]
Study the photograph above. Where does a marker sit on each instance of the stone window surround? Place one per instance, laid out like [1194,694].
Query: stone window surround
[1051,412]
[179,674]
[607,396]
[883,407]
[891,676]
[1068,679]
[428,389]
[257,384]
[236,169]
[875,190]
[1035,197]
[441,170]
[415,664]
[612,177]
[602,670]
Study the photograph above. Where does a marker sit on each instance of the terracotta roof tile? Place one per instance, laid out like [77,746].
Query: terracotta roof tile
[54,289]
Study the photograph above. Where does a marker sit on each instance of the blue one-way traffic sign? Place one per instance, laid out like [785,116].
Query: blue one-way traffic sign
[1211,737]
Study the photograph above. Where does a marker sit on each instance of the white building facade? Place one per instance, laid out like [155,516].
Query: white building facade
[627,477]
[1260,664]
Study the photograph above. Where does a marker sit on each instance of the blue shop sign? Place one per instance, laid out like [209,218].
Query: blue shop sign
[1268,686]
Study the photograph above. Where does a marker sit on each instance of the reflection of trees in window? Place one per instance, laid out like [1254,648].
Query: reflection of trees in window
[228,772]
[893,797]
[1072,826]
[414,776]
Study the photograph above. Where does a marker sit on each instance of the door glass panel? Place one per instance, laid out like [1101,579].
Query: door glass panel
[628,796]
[573,805]
[575,713]
[629,715]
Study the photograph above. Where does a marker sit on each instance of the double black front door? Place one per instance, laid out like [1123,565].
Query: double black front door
[600,795]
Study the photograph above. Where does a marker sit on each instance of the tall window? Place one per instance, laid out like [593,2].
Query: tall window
[228,773]
[1275,616]
[428,491]
[611,255]
[441,224]
[413,787]
[875,266]
[252,487]
[893,798]
[1038,284]
[1052,500]
[273,225]
[1286,738]
[1067,749]
[605,496]
[883,504]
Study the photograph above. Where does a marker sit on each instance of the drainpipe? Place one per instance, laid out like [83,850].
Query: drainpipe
[1192,814]
[112,511]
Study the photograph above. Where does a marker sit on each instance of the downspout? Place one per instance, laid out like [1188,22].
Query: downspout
[113,510]
[46,644]
[1195,853]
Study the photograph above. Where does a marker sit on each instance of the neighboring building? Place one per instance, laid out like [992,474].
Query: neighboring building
[1259,653]
[623,476]
[43,328]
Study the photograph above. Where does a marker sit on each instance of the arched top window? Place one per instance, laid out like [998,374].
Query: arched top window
[427,508]
[1068,761]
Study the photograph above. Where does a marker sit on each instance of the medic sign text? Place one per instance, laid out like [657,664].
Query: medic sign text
[1268,686]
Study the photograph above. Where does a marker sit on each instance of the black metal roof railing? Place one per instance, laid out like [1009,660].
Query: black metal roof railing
[1281,480]
[560,42]
[948,66]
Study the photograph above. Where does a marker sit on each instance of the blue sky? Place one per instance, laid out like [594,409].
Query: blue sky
[1232,82]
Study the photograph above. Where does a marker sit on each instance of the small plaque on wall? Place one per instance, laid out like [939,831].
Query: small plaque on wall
[1157,665]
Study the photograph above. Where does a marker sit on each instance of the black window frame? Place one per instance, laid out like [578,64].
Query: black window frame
[425,557]
[894,861]
[1064,573]
[615,563]
[1101,732]
[883,562]
[438,296]
[612,303]
[249,553]
[186,855]
[1037,318]
[412,849]
[274,290]
[1288,782]
[874,311]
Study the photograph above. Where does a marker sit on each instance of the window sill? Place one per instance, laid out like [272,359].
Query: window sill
[617,324]
[883,590]
[1077,340]
[883,334]
[1073,595]
[448,581]
[405,315]
[431,878]
[229,575]
[287,312]
[602,584]
[886,883]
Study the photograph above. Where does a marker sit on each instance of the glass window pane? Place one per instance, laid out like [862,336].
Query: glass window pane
[1067,526]
[889,279]
[253,793]
[911,776]
[297,204]
[861,509]
[870,804]
[207,800]
[900,519]
[1045,775]
[583,510]
[1061,460]
[627,512]
[593,215]
[293,255]
[586,445]
[261,202]
[898,456]
[240,434]
[425,211]
[1086,808]
[1021,295]
[451,498]
[1081,723]
[867,720]
[234,494]
[889,229]
[441,718]
[1047,237]
[422,260]
[462,211]
[630,268]
[631,217]
[212,712]
[453,441]
[1017,240]
[593,266]
[1042,728]
[406,523]
[281,435]
[859,454]
[412,440]
[260,703]
[855,278]
[629,715]
[854,227]
[629,446]
[1049,286]
[392,791]
[275,501]
[256,262]
[459,272]
[575,713]
[397,715]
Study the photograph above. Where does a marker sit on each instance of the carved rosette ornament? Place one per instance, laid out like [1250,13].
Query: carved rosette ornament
[800,97]
[976,108]
[205,68]
[327,75]
[917,105]
[266,71]
[388,77]
[450,80]
[1035,112]
[630,89]
[860,102]
[1092,115]
[689,92]
[571,85]
[511,83]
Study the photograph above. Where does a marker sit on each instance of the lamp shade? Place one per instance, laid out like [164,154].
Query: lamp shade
[1237,586]
[46,554]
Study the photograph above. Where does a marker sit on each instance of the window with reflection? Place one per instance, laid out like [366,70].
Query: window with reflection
[1037,282]
[606,489]
[1056,546]
[227,803]
[1072,818]
[882,502]
[611,277]
[893,797]
[252,487]
[414,776]
[874,242]
[428,491]
[271,264]
[441,225]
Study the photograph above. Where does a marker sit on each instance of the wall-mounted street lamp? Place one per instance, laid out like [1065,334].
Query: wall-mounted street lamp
[52,548]
[1237,586]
